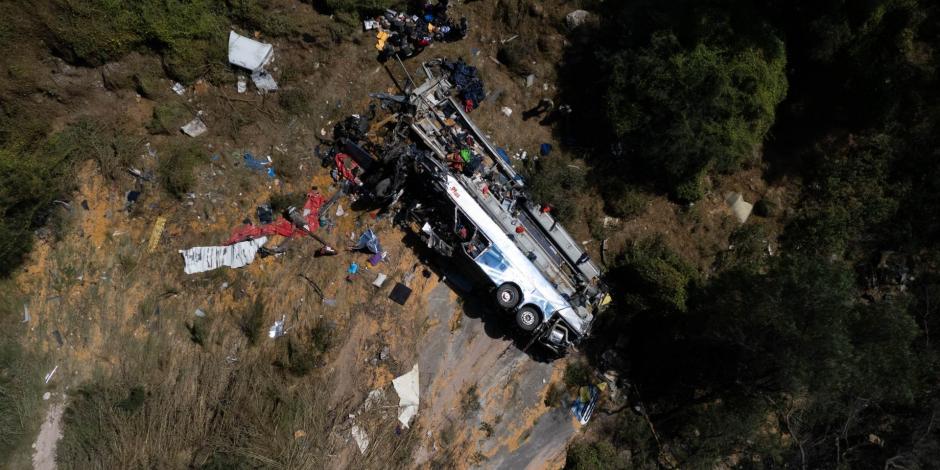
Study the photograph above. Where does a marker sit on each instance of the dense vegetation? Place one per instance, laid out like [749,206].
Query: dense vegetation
[818,356]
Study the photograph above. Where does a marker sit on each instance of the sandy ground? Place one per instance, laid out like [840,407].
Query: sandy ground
[49,435]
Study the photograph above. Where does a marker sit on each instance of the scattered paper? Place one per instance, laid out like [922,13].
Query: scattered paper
[406,387]
[242,85]
[195,128]
[361,438]
[207,258]
[178,88]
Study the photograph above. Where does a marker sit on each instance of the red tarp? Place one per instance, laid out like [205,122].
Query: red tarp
[282,226]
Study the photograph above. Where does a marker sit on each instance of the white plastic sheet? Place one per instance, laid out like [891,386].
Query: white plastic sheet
[195,128]
[207,258]
[406,387]
[248,53]
[362,439]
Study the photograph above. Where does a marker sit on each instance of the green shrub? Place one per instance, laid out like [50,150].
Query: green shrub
[252,322]
[168,118]
[361,7]
[653,276]
[135,399]
[20,379]
[578,374]
[176,170]
[626,202]
[599,455]
[34,171]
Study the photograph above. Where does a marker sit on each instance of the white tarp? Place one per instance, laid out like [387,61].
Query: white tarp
[740,207]
[248,53]
[407,388]
[207,258]
[362,439]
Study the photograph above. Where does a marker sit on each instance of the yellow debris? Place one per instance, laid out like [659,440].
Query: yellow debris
[156,233]
[382,36]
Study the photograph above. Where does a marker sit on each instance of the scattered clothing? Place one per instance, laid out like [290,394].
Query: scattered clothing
[369,241]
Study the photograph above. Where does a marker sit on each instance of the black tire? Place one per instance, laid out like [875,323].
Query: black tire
[508,296]
[528,318]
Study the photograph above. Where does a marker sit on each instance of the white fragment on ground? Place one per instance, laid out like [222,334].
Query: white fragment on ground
[362,439]
[195,128]
[242,85]
[740,207]
[277,329]
[178,88]
[263,81]
[506,111]
[49,434]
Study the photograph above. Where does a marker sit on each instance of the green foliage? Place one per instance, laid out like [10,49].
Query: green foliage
[135,399]
[252,322]
[34,171]
[553,181]
[623,200]
[654,277]
[687,109]
[20,379]
[176,170]
[188,35]
[851,196]
[577,374]
[168,117]
[598,455]
[361,7]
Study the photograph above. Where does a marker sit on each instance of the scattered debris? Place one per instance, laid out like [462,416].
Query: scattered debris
[507,111]
[530,80]
[242,85]
[46,396]
[200,313]
[277,329]
[741,208]
[406,387]
[314,285]
[263,81]
[545,149]
[379,280]
[195,128]
[158,226]
[206,258]
[339,211]
[583,407]
[369,241]
[248,53]
[50,374]
[26,316]
[361,438]
[400,293]
[178,88]
[576,18]
[299,433]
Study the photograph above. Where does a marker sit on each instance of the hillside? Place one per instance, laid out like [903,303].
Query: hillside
[796,335]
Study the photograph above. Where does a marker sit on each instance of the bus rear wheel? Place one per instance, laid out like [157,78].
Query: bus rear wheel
[527,318]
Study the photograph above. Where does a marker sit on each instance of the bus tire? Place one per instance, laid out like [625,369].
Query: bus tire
[528,318]
[508,295]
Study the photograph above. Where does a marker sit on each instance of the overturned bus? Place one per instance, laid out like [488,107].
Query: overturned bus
[474,208]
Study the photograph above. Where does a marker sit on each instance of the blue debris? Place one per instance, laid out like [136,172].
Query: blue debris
[545,150]
[369,241]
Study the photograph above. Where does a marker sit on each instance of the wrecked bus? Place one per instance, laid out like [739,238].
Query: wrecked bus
[472,206]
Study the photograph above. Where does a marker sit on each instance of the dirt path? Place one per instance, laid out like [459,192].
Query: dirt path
[510,386]
[49,435]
